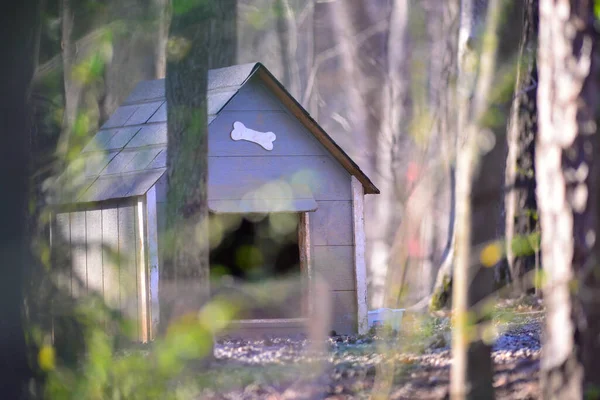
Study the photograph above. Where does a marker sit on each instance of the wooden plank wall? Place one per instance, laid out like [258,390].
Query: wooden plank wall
[104,247]
[237,167]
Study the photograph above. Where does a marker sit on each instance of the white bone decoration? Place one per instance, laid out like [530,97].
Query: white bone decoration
[264,139]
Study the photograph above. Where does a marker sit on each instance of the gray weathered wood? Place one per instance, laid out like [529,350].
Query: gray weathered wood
[78,253]
[292,139]
[334,264]
[128,267]
[331,224]
[93,227]
[161,189]
[153,259]
[262,206]
[110,258]
[234,177]
[142,269]
[344,317]
[306,263]
[360,266]
[61,247]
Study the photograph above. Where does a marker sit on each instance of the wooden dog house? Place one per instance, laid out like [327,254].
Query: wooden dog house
[266,155]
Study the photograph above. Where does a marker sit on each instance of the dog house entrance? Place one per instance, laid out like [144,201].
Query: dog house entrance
[255,260]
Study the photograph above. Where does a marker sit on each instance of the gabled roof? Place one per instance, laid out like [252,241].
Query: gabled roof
[128,154]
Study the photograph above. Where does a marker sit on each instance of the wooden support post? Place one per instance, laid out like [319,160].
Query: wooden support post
[153,260]
[142,267]
[360,267]
[305,263]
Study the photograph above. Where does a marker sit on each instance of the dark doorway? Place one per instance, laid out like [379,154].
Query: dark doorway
[251,249]
[249,255]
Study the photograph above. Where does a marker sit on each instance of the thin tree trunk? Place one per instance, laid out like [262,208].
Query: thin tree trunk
[520,203]
[18,30]
[345,31]
[471,374]
[72,87]
[287,33]
[162,35]
[393,124]
[448,130]
[567,194]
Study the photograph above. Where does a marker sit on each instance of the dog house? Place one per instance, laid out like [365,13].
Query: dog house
[266,157]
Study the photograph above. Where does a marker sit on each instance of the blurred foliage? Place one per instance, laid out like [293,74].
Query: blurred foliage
[112,371]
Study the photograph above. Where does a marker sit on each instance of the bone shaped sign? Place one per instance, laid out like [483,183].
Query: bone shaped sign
[264,139]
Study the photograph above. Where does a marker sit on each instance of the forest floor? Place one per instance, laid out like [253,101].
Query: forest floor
[413,364]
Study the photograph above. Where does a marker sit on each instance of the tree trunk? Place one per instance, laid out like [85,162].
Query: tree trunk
[443,98]
[520,204]
[394,121]
[287,33]
[72,87]
[567,193]
[18,47]
[162,35]
[471,374]
[205,38]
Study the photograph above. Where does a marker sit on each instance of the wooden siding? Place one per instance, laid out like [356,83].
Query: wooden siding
[331,224]
[110,259]
[235,177]
[161,189]
[291,139]
[238,167]
[60,239]
[344,312]
[105,249]
[332,237]
[153,258]
[334,264]
[93,240]
[295,109]
[78,254]
[360,266]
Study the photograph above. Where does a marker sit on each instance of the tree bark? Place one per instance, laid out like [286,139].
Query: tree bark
[287,34]
[203,38]
[520,203]
[394,120]
[471,374]
[71,86]
[18,44]
[443,94]
[567,193]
